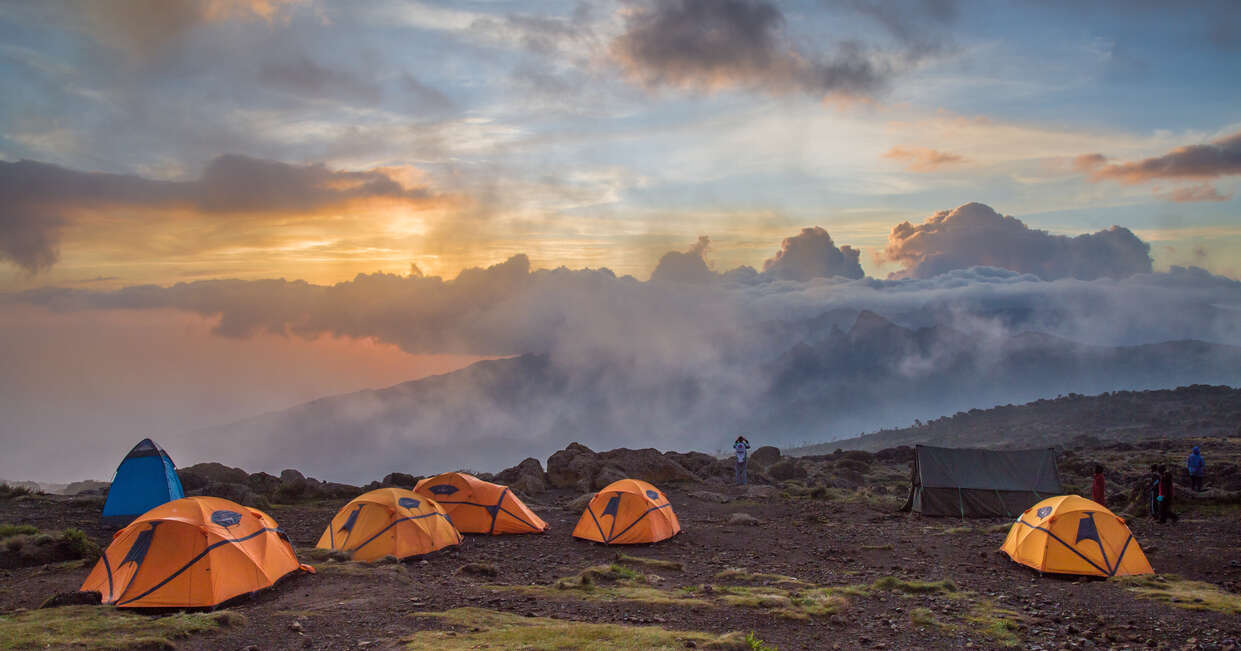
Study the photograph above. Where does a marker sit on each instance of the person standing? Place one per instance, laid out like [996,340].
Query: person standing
[1165,495]
[1096,489]
[1152,482]
[1196,466]
[742,447]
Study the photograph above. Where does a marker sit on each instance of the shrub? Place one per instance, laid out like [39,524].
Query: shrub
[80,544]
[7,530]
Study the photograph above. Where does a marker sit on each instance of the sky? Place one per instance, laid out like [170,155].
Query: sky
[153,152]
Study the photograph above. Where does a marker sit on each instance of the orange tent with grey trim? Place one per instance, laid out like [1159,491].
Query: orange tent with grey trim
[194,552]
[477,506]
[1068,534]
[389,522]
[626,512]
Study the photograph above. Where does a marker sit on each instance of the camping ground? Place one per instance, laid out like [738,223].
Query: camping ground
[820,559]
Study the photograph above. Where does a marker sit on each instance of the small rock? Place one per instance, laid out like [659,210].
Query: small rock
[744,519]
[296,626]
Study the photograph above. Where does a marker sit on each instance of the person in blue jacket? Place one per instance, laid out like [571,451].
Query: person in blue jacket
[741,446]
[1196,467]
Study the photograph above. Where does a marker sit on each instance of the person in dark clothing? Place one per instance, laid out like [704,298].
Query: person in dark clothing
[1152,483]
[742,448]
[1096,489]
[1165,495]
[1196,466]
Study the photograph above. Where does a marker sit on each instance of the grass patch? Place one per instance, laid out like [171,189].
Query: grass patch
[956,530]
[489,629]
[756,644]
[93,627]
[998,624]
[605,583]
[740,574]
[893,584]
[622,557]
[999,528]
[8,530]
[1182,593]
[923,617]
[873,548]
[789,604]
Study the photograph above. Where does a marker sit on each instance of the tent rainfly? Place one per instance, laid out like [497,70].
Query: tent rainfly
[975,483]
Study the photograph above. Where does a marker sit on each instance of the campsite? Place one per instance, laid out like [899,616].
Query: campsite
[815,553]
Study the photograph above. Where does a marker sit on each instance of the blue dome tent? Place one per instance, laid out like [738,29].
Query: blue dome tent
[146,478]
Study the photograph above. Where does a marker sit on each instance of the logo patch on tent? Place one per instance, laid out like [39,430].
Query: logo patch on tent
[226,519]
[1043,512]
[408,502]
[443,489]
[1086,530]
[652,494]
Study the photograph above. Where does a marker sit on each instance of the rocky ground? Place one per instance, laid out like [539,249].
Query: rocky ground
[815,555]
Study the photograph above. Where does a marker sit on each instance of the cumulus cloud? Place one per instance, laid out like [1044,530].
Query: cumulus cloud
[687,267]
[38,200]
[976,235]
[718,44]
[1220,157]
[813,254]
[923,159]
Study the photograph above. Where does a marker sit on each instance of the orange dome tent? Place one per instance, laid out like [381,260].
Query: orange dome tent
[477,506]
[627,512]
[389,522]
[1068,534]
[194,552]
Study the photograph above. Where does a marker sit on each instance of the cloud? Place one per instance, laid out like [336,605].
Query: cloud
[303,76]
[1220,157]
[812,254]
[38,200]
[923,159]
[720,44]
[975,235]
[146,27]
[687,267]
[1194,194]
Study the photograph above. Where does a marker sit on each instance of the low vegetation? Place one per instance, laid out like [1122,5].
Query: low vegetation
[91,627]
[1182,593]
[999,624]
[622,557]
[25,546]
[478,628]
[613,582]
[740,574]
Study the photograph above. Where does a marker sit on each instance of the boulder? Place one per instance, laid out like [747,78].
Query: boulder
[899,454]
[761,492]
[239,493]
[647,464]
[578,504]
[527,477]
[568,467]
[263,483]
[699,463]
[765,456]
[744,519]
[201,474]
[290,475]
[400,480]
[708,496]
[786,470]
[607,475]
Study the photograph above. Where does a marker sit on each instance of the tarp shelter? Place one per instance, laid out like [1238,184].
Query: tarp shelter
[976,483]
[389,522]
[145,479]
[626,512]
[477,506]
[1068,534]
[195,552]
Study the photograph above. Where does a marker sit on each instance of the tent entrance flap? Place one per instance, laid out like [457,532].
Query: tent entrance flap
[980,483]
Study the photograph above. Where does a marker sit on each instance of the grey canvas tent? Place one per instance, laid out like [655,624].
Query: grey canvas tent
[974,483]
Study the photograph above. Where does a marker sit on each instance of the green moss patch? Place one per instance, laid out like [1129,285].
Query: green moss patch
[478,628]
[95,627]
[1182,593]
[626,559]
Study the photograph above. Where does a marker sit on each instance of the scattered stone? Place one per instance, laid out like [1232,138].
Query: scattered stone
[708,496]
[744,519]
